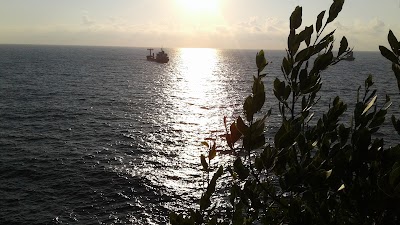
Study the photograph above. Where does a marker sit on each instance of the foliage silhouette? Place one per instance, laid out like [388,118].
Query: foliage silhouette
[325,172]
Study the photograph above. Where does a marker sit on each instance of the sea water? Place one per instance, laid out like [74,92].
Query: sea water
[99,135]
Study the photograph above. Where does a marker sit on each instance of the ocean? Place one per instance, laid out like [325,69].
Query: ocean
[99,135]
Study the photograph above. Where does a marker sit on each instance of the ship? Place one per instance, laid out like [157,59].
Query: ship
[161,56]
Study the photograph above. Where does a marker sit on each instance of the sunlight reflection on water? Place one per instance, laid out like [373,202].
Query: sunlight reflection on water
[192,93]
[195,93]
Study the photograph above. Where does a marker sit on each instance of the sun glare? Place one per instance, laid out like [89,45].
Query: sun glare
[199,6]
[197,73]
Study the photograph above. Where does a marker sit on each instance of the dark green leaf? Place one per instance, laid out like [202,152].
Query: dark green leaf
[261,61]
[296,18]
[287,67]
[243,128]
[394,43]
[388,54]
[205,201]
[304,54]
[287,92]
[239,168]
[396,70]
[378,119]
[334,10]
[329,36]
[322,62]
[248,108]
[308,32]
[362,140]
[257,128]
[235,134]
[203,162]
[258,94]
[213,152]
[368,82]
[279,89]
[213,182]
[343,46]
[319,21]
[293,42]
[258,142]
[282,137]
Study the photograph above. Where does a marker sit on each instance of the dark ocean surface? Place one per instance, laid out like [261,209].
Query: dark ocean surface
[99,135]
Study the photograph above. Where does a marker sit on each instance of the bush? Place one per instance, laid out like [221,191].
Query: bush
[325,172]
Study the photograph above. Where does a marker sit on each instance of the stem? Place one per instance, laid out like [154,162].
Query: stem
[319,34]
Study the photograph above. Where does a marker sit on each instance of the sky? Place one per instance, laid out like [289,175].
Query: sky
[227,24]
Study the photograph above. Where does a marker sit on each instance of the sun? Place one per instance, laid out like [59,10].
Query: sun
[199,6]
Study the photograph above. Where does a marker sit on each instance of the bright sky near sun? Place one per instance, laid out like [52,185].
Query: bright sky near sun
[249,24]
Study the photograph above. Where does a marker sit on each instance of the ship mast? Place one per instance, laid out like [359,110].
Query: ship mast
[150,49]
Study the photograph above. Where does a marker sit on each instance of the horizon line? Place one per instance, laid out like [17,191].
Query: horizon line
[122,46]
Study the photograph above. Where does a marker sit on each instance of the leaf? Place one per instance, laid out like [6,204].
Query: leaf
[394,43]
[205,198]
[239,168]
[213,152]
[217,175]
[388,103]
[241,126]
[343,46]
[257,127]
[258,95]
[205,143]
[261,61]
[203,162]
[287,92]
[292,42]
[248,108]
[396,124]
[388,54]
[295,18]
[334,10]
[287,67]
[396,70]
[378,119]
[304,54]
[235,134]
[328,173]
[369,105]
[322,62]
[268,157]
[319,20]
[205,201]
[282,136]
[341,187]
[308,32]
[329,36]
[279,88]
[368,82]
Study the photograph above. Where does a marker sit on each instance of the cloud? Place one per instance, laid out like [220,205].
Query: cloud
[87,21]
[376,25]
[363,35]
[252,33]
